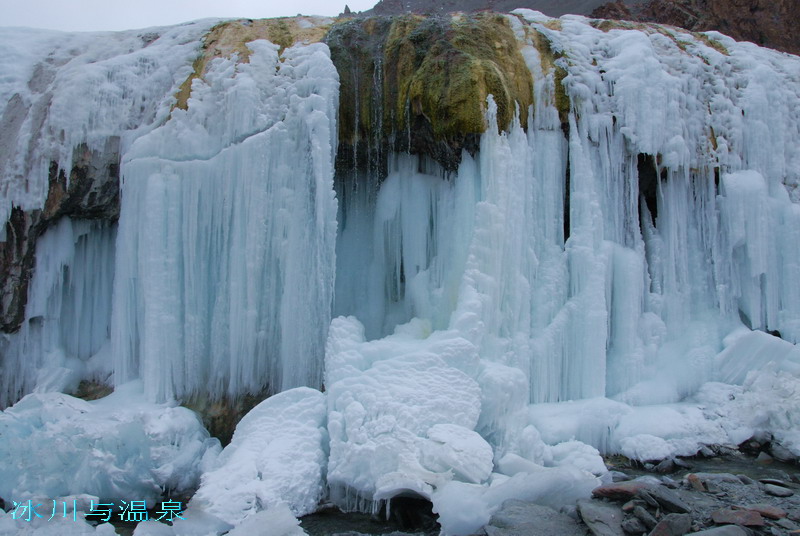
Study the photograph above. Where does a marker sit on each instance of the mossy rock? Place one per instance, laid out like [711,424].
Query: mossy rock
[445,68]
[420,83]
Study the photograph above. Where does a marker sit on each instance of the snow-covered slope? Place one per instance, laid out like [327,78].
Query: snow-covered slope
[587,283]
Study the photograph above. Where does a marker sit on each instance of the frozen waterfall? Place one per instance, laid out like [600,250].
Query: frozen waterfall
[576,286]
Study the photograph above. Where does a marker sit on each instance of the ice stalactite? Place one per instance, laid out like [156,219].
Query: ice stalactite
[610,262]
[68,312]
[225,274]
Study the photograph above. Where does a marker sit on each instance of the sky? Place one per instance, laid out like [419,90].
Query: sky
[91,15]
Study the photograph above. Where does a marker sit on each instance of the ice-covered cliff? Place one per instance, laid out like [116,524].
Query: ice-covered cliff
[536,238]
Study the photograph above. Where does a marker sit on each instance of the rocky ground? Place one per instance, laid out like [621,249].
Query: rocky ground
[758,496]
[724,491]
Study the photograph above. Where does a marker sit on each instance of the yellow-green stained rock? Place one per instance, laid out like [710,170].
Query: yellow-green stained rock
[420,83]
[445,68]
[231,37]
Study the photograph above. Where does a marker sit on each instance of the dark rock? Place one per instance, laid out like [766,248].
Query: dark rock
[521,518]
[621,490]
[777,491]
[633,525]
[221,416]
[602,519]
[707,452]
[786,524]
[645,517]
[673,525]
[729,530]
[748,518]
[744,479]
[629,506]
[773,481]
[665,498]
[767,510]
[666,467]
[90,190]
[779,452]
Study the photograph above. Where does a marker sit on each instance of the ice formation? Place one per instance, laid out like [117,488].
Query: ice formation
[229,222]
[495,328]
[119,447]
[277,457]
[65,336]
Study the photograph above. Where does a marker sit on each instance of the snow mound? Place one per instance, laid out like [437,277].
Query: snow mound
[400,418]
[118,447]
[464,508]
[276,456]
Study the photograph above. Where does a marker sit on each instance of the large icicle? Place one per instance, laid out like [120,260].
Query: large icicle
[65,333]
[225,266]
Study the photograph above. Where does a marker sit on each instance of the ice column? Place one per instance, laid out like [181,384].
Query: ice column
[226,257]
[67,317]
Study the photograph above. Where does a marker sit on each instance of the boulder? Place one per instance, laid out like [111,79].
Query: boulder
[777,491]
[521,518]
[664,498]
[602,519]
[748,518]
[673,525]
[621,490]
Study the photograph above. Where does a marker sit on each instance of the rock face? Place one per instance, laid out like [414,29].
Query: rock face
[91,192]
[430,79]
[764,22]
[553,8]
[767,23]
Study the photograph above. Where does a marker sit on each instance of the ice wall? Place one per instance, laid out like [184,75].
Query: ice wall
[620,253]
[607,257]
[66,328]
[226,242]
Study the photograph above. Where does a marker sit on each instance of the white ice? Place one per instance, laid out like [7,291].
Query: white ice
[512,318]
[277,457]
[119,447]
[225,262]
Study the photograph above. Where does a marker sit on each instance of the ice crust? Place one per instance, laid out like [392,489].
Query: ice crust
[277,457]
[495,328]
[120,447]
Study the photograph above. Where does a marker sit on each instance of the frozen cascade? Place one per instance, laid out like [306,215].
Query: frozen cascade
[60,90]
[226,265]
[65,333]
[632,302]
[553,296]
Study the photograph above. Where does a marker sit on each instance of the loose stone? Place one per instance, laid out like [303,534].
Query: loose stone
[673,525]
[602,519]
[748,518]
[777,491]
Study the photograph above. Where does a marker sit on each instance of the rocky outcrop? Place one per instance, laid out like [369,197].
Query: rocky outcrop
[764,22]
[90,191]
[553,8]
[420,84]
[767,23]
